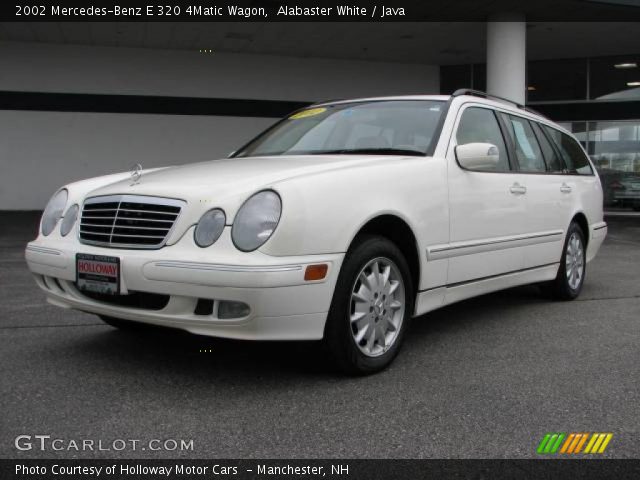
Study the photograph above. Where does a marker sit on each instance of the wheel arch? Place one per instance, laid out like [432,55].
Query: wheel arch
[581,219]
[397,230]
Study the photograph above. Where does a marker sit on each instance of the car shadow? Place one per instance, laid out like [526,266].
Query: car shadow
[464,313]
[163,351]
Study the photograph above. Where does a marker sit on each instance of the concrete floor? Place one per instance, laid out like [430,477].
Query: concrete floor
[484,378]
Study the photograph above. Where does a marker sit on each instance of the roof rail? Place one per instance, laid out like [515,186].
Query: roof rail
[478,93]
[331,100]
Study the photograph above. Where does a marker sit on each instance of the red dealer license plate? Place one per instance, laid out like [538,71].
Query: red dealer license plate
[98,273]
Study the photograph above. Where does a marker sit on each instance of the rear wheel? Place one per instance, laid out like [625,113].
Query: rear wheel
[573,266]
[371,307]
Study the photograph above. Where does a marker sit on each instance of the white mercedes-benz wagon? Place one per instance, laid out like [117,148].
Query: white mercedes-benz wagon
[341,222]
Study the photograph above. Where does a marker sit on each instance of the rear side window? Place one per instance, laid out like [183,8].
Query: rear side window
[553,161]
[480,125]
[571,152]
[526,146]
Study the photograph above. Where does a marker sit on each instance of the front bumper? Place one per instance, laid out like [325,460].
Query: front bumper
[283,306]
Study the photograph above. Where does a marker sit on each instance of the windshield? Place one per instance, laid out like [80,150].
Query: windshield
[388,127]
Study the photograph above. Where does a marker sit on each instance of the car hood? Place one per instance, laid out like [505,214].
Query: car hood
[219,179]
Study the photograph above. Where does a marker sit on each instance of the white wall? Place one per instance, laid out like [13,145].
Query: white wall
[39,151]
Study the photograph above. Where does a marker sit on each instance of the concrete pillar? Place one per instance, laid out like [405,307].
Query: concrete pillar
[507,56]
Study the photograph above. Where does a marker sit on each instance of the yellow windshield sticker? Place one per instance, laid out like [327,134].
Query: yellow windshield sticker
[307,113]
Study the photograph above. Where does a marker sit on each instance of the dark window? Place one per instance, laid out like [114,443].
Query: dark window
[480,125]
[525,144]
[557,80]
[480,77]
[453,77]
[553,161]
[571,152]
[615,78]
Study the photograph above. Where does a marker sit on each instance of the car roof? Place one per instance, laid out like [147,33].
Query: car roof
[504,105]
[442,98]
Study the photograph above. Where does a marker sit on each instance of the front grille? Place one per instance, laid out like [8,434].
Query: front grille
[128,221]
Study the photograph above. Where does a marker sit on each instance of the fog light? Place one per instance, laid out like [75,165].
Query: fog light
[227,309]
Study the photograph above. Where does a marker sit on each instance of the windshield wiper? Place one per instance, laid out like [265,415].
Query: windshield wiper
[371,151]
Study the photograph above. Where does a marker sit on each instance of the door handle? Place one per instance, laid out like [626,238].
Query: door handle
[518,189]
[564,188]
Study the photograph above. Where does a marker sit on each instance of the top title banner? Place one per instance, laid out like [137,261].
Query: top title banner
[316,11]
[211,12]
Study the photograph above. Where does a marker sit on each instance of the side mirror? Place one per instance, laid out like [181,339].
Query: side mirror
[478,156]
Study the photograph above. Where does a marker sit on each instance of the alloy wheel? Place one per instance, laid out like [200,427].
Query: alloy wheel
[377,306]
[574,261]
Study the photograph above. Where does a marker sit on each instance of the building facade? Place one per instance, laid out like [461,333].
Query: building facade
[596,98]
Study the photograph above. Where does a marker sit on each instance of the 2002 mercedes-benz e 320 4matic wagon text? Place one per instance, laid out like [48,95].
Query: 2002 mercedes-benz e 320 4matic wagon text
[340,223]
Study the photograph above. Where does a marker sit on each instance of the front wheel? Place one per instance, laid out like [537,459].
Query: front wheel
[573,266]
[371,307]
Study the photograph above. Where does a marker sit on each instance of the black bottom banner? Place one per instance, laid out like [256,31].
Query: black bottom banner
[315,469]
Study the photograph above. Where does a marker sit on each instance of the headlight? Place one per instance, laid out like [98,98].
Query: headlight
[256,220]
[209,227]
[69,219]
[53,211]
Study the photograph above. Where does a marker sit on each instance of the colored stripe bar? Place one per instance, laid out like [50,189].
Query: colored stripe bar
[572,443]
[550,443]
[567,443]
[593,439]
[596,445]
[576,440]
[543,443]
[606,441]
[581,443]
[556,445]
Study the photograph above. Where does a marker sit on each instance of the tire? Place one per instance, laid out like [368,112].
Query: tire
[374,309]
[565,286]
[126,325]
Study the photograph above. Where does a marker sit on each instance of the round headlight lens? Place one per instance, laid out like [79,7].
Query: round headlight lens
[53,211]
[69,219]
[256,220]
[209,227]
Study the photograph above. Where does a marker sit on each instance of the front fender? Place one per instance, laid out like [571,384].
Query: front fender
[323,213]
